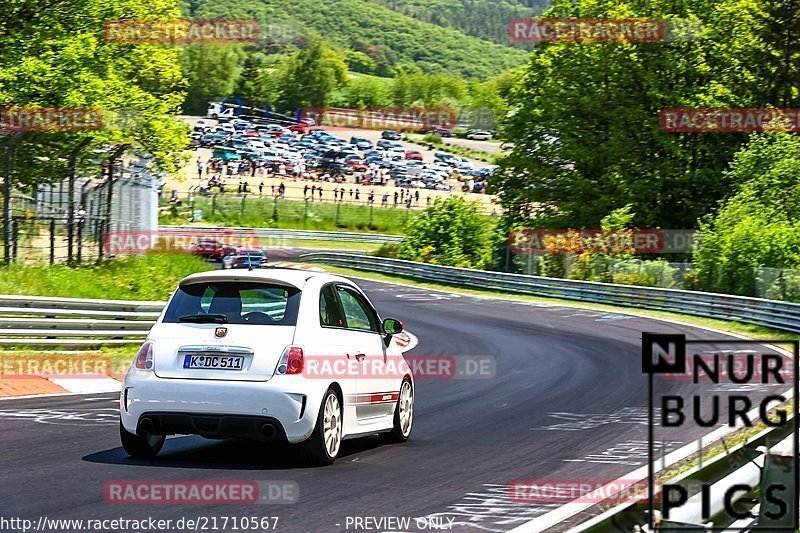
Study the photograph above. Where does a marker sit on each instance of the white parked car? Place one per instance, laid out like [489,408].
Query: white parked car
[480,135]
[268,354]
[397,154]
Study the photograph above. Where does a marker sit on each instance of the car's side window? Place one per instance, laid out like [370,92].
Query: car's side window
[357,311]
[330,312]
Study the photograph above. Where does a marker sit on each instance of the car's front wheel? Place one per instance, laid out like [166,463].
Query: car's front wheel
[146,445]
[403,415]
[322,447]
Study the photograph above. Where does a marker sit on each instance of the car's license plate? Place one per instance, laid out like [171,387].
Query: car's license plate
[214,362]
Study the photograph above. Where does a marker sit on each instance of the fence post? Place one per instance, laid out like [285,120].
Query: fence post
[275,209]
[52,241]
[14,238]
[214,203]
[100,238]
[370,215]
[79,239]
[71,195]
[337,213]
[7,230]
[305,211]
[241,212]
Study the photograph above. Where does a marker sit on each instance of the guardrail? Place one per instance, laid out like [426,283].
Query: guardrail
[770,313]
[279,234]
[745,464]
[27,321]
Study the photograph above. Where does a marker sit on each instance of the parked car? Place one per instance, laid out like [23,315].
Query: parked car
[391,135]
[413,154]
[356,162]
[387,144]
[361,143]
[442,132]
[207,368]
[480,135]
[444,157]
[226,154]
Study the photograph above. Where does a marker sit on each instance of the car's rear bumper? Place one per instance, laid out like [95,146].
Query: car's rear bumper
[212,425]
[286,401]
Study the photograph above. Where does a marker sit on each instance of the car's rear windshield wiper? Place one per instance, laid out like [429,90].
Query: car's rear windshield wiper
[204,318]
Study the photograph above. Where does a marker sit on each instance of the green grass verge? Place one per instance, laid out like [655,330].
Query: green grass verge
[329,245]
[439,144]
[296,214]
[146,277]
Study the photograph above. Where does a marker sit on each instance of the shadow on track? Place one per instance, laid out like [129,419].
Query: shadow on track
[229,454]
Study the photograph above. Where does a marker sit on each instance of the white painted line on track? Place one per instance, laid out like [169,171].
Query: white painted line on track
[88,385]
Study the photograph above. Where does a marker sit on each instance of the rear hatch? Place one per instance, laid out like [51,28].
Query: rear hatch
[225,328]
[248,352]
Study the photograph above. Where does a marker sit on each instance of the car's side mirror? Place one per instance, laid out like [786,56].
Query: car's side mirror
[392,326]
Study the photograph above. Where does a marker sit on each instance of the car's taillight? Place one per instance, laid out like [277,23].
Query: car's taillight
[291,360]
[144,357]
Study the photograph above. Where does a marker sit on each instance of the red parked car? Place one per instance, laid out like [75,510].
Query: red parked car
[414,155]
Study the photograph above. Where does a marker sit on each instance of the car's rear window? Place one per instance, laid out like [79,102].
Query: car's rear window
[239,302]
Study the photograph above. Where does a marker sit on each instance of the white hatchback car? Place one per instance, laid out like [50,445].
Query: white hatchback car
[269,354]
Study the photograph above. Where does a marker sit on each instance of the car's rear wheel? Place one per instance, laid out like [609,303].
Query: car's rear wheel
[145,445]
[403,415]
[322,447]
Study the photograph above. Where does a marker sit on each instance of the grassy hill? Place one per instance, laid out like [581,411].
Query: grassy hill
[486,19]
[364,25]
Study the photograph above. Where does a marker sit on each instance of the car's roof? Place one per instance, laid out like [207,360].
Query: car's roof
[287,276]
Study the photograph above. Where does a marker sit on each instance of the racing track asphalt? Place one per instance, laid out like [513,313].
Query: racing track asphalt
[555,367]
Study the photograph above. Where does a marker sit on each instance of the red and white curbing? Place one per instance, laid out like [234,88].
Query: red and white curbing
[296,266]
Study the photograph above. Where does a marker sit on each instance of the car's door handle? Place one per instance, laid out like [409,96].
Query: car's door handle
[360,356]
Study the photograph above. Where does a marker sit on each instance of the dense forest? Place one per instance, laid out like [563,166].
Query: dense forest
[486,19]
[378,40]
